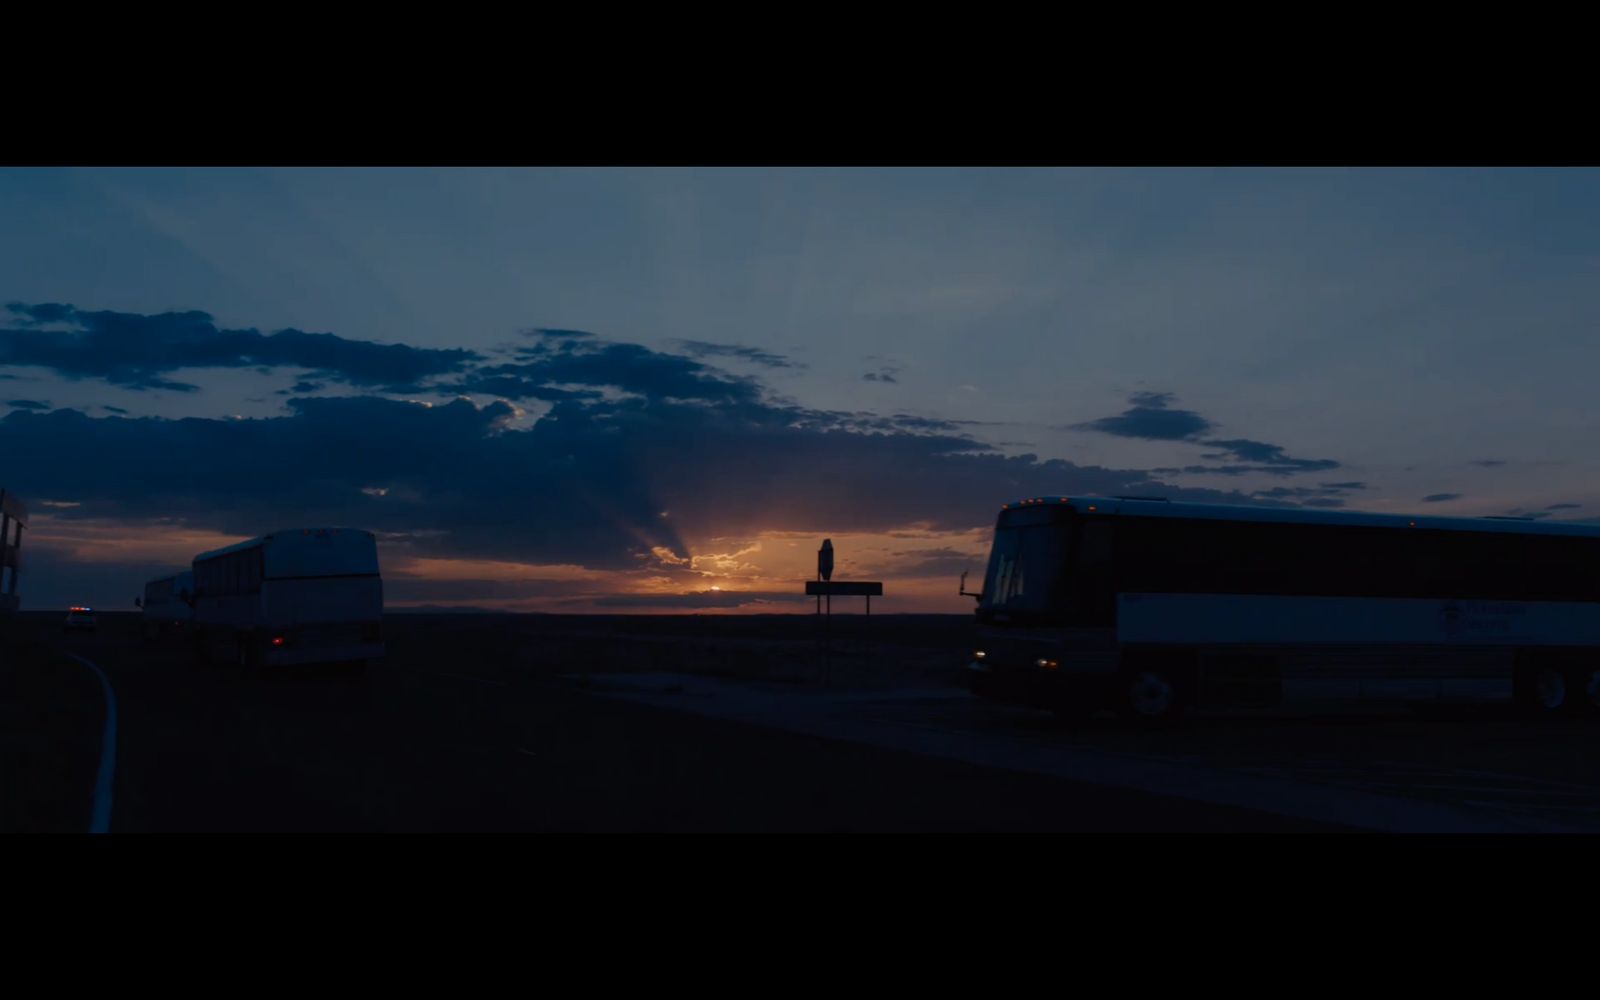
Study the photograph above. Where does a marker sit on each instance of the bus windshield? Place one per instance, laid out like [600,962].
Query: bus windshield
[1028,562]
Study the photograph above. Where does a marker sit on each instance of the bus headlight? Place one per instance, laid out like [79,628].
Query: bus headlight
[1046,664]
[980,654]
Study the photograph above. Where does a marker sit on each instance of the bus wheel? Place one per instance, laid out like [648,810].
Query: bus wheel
[1151,695]
[1543,690]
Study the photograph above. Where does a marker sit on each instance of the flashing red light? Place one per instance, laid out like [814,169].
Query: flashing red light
[277,640]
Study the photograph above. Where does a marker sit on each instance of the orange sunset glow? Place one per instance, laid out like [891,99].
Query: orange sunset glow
[764,574]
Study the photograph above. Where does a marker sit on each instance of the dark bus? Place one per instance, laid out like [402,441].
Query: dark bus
[1147,607]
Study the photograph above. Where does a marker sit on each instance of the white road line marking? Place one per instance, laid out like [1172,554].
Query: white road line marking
[100,822]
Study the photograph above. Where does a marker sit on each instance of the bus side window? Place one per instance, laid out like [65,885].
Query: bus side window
[1254,556]
[1094,597]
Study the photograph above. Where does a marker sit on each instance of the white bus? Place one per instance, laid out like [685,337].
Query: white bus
[167,605]
[1148,606]
[308,595]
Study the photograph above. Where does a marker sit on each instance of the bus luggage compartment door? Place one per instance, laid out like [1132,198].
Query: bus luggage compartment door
[1247,679]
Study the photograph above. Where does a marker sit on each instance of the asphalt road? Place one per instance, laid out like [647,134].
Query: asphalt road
[443,739]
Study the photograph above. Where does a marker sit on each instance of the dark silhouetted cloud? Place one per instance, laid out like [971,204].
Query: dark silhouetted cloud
[557,362]
[903,422]
[1248,470]
[518,387]
[27,404]
[1489,463]
[1440,497]
[1270,456]
[882,375]
[1296,492]
[700,349]
[1564,506]
[629,432]
[1149,418]
[585,484]
[1345,486]
[1152,418]
[113,409]
[135,351]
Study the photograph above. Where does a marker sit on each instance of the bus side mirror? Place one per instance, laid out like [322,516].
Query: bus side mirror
[138,602]
[964,592]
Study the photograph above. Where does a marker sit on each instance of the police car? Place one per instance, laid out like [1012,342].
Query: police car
[79,620]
